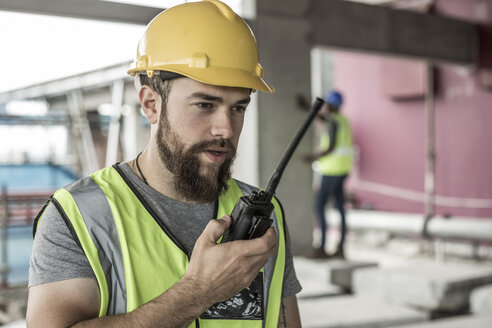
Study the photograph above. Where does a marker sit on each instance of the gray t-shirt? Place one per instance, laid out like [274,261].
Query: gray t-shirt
[56,256]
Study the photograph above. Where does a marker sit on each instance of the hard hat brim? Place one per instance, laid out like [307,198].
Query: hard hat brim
[219,76]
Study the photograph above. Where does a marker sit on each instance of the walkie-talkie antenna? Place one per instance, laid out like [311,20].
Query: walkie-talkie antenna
[275,179]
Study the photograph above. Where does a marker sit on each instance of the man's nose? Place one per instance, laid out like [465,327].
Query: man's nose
[222,124]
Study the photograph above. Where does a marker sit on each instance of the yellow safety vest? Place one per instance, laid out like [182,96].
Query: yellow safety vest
[339,161]
[136,260]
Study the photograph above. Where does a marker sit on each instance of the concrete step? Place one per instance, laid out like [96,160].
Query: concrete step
[340,271]
[470,321]
[425,284]
[351,311]
[481,300]
[313,275]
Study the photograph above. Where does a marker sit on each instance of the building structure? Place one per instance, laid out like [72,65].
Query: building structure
[387,99]
[281,28]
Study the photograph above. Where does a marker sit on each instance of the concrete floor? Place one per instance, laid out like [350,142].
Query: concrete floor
[323,304]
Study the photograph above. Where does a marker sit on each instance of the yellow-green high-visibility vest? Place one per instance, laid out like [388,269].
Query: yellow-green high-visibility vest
[339,161]
[135,258]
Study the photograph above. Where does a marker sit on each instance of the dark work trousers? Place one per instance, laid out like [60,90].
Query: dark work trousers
[331,187]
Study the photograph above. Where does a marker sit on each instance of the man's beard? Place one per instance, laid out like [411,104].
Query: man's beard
[185,165]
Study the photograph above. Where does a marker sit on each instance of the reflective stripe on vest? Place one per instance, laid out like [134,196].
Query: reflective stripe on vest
[339,161]
[102,208]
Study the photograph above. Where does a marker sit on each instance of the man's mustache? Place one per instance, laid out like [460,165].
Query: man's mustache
[225,145]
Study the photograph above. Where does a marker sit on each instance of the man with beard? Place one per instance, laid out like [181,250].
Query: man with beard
[138,244]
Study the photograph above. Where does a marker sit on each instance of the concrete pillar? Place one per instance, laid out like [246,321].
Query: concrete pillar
[282,29]
[131,132]
[82,132]
[117,90]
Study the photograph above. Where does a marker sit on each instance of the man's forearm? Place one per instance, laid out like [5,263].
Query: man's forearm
[179,306]
[289,313]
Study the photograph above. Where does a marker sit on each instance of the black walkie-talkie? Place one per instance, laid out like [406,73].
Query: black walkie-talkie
[251,214]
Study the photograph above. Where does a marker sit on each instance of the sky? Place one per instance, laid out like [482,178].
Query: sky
[39,48]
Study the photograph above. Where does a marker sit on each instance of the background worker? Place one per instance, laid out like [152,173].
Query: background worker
[136,244]
[335,163]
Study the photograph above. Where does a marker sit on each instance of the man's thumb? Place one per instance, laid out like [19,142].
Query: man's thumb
[216,228]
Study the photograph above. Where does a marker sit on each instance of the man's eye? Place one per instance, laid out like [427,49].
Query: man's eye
[205,105]
[239,109]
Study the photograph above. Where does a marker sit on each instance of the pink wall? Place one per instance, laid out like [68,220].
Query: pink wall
[391,134]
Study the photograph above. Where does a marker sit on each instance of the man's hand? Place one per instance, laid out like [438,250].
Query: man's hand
[310,158]
[220,271]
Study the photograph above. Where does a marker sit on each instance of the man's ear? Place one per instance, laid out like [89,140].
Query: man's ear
[150,102]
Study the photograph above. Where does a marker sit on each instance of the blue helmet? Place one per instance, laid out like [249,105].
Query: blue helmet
[334,98]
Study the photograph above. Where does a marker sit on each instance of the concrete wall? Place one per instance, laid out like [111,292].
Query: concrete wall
[281,32]
[391,133]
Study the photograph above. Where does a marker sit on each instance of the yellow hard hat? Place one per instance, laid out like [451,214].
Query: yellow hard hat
[205,41]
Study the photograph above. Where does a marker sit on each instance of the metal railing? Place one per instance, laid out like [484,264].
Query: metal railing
[16,209]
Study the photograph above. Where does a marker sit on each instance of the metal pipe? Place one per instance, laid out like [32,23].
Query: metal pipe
[418,196]
[455,228]
[4,269]
[430,161]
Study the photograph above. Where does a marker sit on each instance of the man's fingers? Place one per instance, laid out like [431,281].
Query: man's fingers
[270,239]
[261,246]
[216,228]
[266,247]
